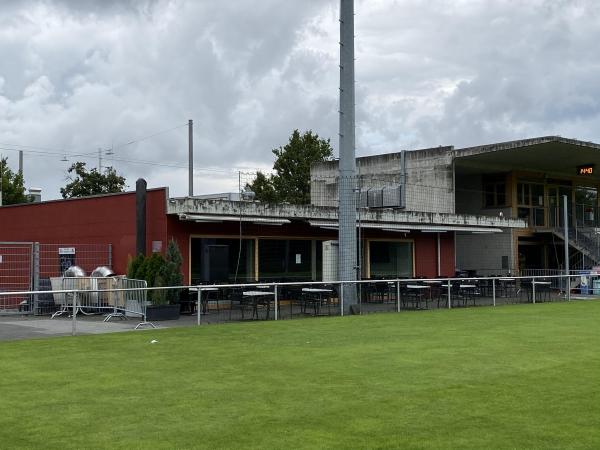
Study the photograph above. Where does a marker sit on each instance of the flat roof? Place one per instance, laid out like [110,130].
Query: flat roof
[202,210]
[548,155]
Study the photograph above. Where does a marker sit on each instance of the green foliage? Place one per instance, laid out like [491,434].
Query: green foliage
[91,182]
[263,188]
[159,272]
[148,268]
[291,181]
[133,266]
[171,272]
[12,185]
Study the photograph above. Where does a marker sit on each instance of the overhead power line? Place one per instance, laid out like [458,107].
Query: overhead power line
[74,153]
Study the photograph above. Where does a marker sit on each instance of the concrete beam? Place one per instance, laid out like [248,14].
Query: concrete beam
[187,205]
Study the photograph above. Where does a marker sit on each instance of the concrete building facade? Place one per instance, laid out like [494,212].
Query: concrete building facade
[522,180]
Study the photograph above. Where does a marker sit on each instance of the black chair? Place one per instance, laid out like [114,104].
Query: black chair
[187,305]
[238,302]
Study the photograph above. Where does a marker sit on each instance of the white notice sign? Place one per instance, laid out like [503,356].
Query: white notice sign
[298,258]
[66,251]
[0,259]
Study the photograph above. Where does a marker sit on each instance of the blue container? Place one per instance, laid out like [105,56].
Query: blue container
[596,286]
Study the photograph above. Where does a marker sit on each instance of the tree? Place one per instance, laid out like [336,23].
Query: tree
[91,182]
[11,185]
[171,271]
[291,181]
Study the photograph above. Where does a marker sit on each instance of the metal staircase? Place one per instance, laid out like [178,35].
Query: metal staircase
[584,240]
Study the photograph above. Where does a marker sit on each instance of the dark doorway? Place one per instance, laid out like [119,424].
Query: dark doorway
[531,256]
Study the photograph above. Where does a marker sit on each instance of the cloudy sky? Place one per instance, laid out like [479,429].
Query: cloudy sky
[76,76]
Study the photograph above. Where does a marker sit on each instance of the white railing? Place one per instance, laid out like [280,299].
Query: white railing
[121,297]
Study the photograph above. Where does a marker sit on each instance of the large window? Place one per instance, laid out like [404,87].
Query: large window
[494,193]
[586,206]
[222,260]
[285,259]
[531,204]
[389,259]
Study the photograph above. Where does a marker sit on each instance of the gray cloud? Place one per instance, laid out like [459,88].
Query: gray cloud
[78,75]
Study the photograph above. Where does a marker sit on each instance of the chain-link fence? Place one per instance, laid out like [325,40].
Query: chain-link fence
[29,266]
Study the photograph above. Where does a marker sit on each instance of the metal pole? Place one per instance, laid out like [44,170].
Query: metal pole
[398,294]
[347,163]
[276,316]
[566,224]
[1,175]
[191,157]
[342,299]
[198,303]
[74,321]
[36,274]
[449,294]
[494,291]
[533,290]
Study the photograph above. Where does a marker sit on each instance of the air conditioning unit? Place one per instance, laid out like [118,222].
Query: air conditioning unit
[363,201]
[392,197]
[375,198]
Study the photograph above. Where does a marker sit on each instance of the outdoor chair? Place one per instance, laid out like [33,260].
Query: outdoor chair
[239,303]
[456,296]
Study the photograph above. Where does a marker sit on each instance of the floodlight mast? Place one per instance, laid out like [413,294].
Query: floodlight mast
[347,258]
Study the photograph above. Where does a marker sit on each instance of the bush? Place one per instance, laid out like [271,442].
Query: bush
[159,272]
[133,266]
[171,272]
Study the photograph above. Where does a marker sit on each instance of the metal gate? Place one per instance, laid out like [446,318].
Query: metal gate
[17,274]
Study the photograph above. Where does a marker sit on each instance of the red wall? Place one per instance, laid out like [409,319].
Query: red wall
[425,244]
[110,219]
[107,219]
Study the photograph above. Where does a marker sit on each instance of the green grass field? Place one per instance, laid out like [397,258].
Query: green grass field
[522,376]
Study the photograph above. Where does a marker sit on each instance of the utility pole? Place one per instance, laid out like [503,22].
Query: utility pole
[21,162]
[347,164]
[1,176]
[99,160]
[191,157]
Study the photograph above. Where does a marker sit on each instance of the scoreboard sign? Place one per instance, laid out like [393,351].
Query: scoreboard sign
[586,170]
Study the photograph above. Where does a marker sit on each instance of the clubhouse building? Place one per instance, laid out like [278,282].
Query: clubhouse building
[493,209]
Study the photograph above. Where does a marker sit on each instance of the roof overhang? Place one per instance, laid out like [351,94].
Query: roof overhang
[551,155]
[215,218]
[406,227]
[198,210]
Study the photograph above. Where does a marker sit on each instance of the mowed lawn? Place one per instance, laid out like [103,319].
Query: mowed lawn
[522,376]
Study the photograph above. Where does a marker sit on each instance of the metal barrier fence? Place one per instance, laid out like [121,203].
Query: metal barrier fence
[117,297]
[210,304]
